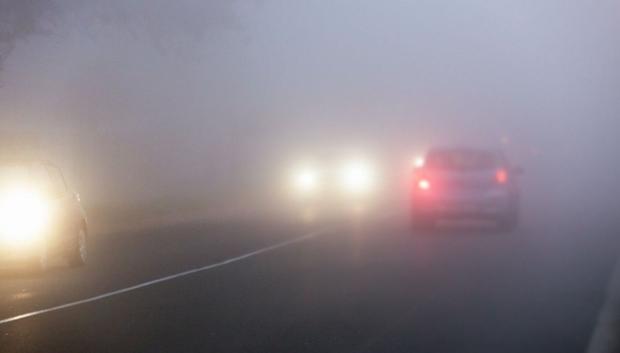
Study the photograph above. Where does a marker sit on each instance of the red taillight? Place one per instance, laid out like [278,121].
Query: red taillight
[424,184]
[421,180]
[501,176]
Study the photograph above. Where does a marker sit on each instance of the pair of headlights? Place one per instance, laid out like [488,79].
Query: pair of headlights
[24,216]
[354,178]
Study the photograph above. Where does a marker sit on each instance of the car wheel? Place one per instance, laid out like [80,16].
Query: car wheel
[79,253]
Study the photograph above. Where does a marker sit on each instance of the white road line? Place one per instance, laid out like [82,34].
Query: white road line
[604,338]
[163,279]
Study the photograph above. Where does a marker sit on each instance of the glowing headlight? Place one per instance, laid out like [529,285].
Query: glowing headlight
[24,214]
[418,162]
[306,181]
[357,177]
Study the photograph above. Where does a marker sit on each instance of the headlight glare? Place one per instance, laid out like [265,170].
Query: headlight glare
[24,215]
[357,177]
[306,180]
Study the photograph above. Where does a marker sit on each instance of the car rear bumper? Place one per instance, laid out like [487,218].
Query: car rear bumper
[484,205]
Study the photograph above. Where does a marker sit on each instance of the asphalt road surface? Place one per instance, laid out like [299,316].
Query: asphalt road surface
[361,284]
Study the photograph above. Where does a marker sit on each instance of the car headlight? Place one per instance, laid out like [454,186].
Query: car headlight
[306,181]
[357,178]
[24,215]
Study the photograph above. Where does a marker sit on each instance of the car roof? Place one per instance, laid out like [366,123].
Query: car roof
[464,149]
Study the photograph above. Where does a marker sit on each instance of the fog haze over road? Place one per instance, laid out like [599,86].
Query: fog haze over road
[211,99]
[240,158]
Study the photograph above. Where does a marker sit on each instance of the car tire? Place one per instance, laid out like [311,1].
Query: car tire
[79,252]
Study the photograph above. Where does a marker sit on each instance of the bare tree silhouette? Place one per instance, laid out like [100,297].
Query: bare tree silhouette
[22,18]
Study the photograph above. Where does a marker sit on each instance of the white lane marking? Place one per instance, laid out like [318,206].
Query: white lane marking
[604,338]
[163,279]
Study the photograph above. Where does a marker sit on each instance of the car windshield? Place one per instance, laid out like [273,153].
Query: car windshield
[462,160]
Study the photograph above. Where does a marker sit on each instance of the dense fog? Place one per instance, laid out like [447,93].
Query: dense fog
[210,102]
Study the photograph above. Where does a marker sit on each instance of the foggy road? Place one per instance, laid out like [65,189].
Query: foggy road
[363,285]
[246,168]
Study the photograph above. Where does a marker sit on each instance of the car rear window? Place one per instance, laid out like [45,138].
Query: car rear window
[462,160]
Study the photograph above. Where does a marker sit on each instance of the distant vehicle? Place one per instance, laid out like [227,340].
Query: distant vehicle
[354,179]
[465,183]
[40,216]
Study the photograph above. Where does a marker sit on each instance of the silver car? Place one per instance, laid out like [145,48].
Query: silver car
[40,216]
[465,183]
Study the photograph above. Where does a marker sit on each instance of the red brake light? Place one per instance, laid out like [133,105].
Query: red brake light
[501,176]
[424,184]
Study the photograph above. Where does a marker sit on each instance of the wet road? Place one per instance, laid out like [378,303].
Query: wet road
[364,284]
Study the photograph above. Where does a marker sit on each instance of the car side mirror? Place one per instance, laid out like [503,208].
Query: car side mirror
[517,170]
